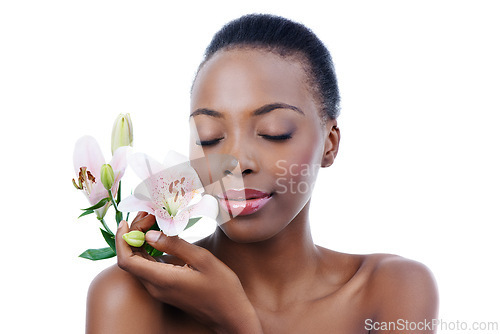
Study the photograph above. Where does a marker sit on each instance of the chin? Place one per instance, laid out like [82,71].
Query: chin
[256,227]
[247,232]
[264,224]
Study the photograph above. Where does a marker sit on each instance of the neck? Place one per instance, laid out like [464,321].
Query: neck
[275,266]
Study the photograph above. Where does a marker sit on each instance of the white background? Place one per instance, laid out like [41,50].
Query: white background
[417,173]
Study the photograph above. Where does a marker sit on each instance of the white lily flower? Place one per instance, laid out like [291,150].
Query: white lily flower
[171,191]
[88,160]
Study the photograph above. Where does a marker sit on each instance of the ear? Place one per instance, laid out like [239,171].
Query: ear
[331,144]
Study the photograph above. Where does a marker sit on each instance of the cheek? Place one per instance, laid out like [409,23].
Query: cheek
[296,169]
[297,174]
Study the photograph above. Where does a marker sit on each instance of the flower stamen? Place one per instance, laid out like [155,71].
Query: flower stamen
[78,186]
[85,180]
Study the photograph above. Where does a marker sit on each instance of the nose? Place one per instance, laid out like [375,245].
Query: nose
[246,155]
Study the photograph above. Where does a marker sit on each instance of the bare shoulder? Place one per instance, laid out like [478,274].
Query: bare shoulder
[393,273]
[401,288]
[118,303]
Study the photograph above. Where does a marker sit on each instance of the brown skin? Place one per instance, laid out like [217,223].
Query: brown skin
[260,273]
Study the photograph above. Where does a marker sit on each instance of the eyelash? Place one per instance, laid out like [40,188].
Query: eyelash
[278,138]
[272,138]
[208,142]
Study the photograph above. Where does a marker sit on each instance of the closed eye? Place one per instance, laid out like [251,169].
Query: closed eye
[268,137]
[209,142]
[277,138]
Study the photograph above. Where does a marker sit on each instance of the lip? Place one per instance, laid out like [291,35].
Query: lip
[242,194]
[241,202]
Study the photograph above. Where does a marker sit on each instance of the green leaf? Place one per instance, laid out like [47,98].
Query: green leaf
[88,212]
[191,222]
[101,203]
[148,247]
[151,250]
[119,194]
[98,254]
[118,217]
[155,253]
[110,239]
[155,227]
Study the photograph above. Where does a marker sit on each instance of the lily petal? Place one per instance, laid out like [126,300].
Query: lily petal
[88,154]
[144,166]
[197,196]
[171,226]
[133,204]
[119,164]
[101,212]
[98,193]
[174,158]
[208,206]
[191,184]
[119,160]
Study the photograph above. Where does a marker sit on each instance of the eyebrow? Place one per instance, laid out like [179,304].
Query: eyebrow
[260,111]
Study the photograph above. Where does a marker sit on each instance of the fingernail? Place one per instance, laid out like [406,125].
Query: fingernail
[121,224]
[153,236]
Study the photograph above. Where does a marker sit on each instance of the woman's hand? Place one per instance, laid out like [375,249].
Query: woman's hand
[204,287]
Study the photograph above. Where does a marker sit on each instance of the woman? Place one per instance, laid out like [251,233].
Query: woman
[266,93]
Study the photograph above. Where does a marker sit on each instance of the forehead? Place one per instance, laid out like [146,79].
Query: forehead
[246,78]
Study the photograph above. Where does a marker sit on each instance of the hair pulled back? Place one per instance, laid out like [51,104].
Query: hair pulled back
[285,38]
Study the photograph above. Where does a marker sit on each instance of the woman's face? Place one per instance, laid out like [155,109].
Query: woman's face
[257,107]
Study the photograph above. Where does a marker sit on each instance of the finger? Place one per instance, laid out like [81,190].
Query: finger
[126,255]
[143,223]
[140,215]
[195,256]
[146,270]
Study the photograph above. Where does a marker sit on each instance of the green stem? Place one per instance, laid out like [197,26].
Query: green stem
[119,194]
[118,215]
[105,225]
[113,200]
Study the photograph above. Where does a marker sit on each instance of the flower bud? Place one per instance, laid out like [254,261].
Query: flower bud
[122,134]
[107,176]
[134,238]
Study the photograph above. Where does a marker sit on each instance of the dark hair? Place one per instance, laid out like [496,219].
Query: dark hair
[285,38]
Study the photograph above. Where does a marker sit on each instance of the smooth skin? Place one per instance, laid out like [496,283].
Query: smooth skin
[260,273]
